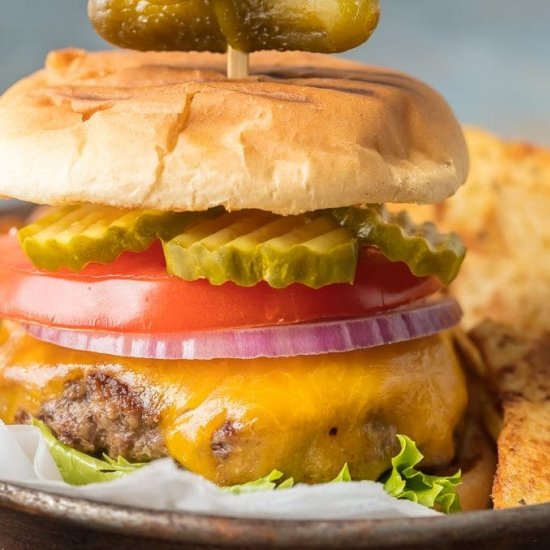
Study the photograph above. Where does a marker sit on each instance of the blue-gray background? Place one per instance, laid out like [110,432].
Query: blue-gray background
[490,58]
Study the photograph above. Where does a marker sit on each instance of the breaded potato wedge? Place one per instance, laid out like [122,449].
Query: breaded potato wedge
[523,474]
[518,376]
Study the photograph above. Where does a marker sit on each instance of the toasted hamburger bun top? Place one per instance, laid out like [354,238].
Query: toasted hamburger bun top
[169,131]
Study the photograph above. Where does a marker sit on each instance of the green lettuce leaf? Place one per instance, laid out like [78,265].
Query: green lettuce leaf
[79,468]
[268,483]
[344,475]
[406,482]
[286,484]
[273,481]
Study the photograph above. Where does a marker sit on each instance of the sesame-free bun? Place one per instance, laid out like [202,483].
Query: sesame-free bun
[169,131]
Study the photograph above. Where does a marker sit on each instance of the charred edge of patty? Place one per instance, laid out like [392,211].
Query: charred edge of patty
[99,414]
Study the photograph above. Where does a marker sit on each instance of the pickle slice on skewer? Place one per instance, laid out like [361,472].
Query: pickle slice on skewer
[213,25]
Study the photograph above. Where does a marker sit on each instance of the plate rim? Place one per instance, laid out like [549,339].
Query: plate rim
[521,523]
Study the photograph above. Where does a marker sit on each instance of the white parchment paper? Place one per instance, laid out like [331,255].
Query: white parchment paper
[25,460]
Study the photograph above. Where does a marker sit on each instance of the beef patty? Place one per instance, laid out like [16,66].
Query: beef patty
[99,414]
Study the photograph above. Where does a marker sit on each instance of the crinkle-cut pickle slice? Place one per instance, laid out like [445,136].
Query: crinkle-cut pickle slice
[249,247]
[420,246]
[74,236]
[244,247]
[199,25]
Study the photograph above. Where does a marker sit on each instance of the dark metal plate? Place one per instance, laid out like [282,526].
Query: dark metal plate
[93,523]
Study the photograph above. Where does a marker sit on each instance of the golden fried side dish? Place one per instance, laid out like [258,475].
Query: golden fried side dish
[518,379]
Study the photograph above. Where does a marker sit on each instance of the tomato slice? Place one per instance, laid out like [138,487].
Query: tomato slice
[134,294]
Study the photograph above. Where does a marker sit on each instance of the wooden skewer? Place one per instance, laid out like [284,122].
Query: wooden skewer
[237,64]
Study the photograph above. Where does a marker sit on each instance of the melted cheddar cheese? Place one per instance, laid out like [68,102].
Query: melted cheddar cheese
[234,420]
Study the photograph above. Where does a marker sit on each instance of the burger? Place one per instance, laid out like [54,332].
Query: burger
[215,277]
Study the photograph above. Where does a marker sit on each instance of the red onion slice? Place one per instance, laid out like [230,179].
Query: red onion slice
[398,325]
